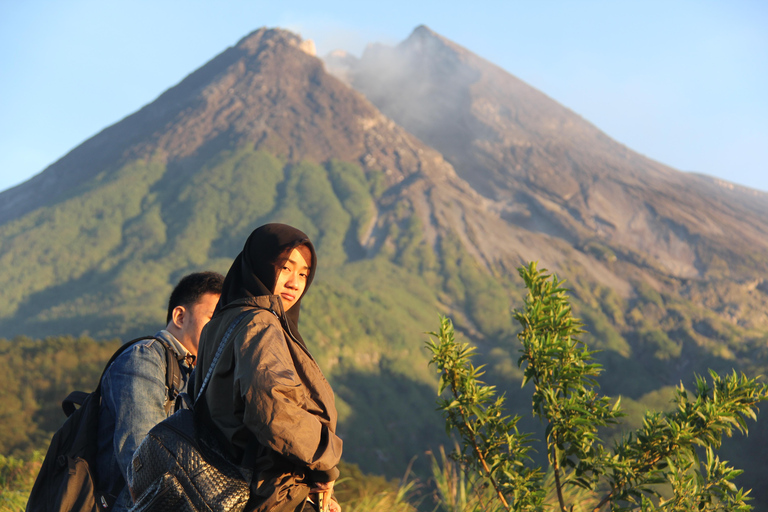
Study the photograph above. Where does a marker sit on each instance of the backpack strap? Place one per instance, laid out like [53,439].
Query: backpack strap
[219,351]
[172,377]
[76,398]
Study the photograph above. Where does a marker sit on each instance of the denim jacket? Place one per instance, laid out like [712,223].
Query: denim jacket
[133,395]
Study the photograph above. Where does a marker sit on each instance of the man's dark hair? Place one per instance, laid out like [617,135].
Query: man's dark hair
[192,287]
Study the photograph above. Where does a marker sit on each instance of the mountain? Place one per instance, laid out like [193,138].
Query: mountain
[549,170]
[625,229]
[266,92]
[425,176]
[94,244]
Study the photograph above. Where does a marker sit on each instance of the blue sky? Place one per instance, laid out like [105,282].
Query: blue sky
[682,82]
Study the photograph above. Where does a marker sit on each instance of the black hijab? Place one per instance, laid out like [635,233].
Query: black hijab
[254,271]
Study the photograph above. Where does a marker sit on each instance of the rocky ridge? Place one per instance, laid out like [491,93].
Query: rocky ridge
[546,170]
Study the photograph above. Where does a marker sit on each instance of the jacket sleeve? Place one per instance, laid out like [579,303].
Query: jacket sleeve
[136,394]
[275,399]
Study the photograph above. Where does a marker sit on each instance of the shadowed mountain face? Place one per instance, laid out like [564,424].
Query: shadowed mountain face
[423,188]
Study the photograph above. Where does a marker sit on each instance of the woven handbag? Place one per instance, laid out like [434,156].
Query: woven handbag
[180,466]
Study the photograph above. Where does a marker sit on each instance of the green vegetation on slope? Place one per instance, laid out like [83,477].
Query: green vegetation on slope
[363,318]
[38,375]
[103,264]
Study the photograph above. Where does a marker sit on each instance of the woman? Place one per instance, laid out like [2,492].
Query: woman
[267,397]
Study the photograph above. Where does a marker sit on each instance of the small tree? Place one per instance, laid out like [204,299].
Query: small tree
[656,468]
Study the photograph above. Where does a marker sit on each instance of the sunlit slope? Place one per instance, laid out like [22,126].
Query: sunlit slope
[668,270]
[364,318]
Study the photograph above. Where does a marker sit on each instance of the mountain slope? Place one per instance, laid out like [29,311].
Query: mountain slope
[266,92]
[260,134]
[427,207]
[539,159]
[669,269]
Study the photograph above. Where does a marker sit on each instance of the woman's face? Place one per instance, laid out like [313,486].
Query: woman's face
[292,277]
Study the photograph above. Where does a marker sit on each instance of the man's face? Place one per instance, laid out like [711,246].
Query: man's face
[292,278]
[193,318]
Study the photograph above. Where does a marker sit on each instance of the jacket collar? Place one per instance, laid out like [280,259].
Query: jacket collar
[178,348]
[269,302]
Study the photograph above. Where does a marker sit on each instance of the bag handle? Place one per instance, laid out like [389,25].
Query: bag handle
[219,351]
[73,399]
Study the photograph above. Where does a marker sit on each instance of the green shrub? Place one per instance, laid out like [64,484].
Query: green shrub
[658,467]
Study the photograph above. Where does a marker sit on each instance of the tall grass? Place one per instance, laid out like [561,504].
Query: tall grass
[16,479]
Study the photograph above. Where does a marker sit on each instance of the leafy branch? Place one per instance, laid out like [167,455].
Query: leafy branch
[656,468]
[491,444]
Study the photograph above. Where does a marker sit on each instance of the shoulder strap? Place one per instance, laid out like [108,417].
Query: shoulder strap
[77,397]
[172,375]
[219,351]
[73,399]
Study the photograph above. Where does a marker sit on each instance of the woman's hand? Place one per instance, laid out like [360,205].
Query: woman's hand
[324,493]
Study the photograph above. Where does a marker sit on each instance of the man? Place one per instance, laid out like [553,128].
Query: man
[133,390]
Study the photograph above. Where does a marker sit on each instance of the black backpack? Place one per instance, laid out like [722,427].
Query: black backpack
[66,480]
